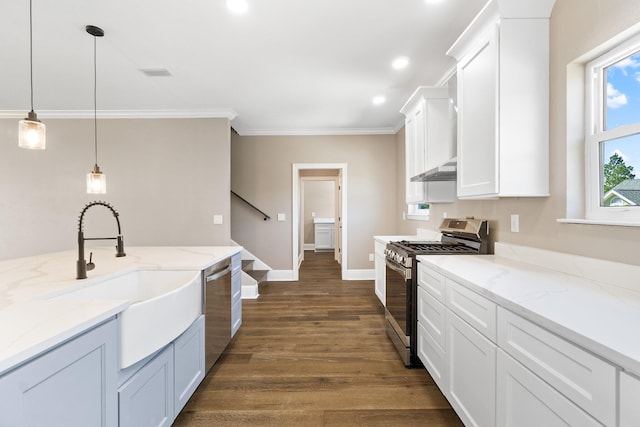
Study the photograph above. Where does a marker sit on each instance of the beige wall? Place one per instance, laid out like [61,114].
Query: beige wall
[261,172]
[319,202]
[166,178]
[577,27]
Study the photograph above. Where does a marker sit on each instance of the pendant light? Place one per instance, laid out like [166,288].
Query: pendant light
[31,131]
[96,180]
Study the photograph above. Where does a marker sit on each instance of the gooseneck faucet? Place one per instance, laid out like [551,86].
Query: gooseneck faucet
[81,265]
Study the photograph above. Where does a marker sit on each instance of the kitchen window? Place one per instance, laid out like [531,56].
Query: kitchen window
[419,211]
[612,135]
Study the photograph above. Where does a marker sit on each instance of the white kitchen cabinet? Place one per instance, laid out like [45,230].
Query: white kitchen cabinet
[147,398]
[428,143]
[73,385]
[524,400]
[188,357]
[380,271]
[473,308]
[471,377]
[585,379]
[503,101]
[324,234]
[629,400]
[236,293]
[431,336]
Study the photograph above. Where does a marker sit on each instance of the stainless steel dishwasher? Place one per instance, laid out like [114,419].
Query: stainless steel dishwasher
[217,310]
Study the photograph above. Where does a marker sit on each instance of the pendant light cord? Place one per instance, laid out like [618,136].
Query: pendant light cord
[31,48]
[95,99]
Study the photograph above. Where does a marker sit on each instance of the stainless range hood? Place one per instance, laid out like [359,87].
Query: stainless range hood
[444,172]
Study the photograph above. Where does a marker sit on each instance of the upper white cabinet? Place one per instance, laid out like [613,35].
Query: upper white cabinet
[503,101]
[428,143]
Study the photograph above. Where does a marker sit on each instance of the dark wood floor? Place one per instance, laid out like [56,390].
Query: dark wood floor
[315,353]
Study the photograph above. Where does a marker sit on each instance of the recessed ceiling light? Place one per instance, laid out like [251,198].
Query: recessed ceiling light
[379,100]
[238,6]
[400,63]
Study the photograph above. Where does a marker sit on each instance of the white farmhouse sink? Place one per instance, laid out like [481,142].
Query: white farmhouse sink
[163,305]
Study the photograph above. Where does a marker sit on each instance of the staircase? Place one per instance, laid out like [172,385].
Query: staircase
[254,272]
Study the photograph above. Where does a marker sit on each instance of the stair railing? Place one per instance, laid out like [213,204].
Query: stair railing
[266,217]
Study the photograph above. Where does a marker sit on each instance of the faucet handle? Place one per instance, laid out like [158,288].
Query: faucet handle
[90,265]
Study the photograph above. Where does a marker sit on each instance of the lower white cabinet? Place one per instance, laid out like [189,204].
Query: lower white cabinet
[158,390]
[324,235]
[72,385]
[381,271]
[583,378]
[188,360]
[236,293]
[629,400]
[524,400]
[471,382]
[146,399]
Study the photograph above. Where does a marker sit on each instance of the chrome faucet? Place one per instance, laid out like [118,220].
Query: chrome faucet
[82,265]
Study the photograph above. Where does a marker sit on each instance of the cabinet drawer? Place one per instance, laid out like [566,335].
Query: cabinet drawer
[379,248]
[478,311]
[432,281]
[236,317]
[432,356]
[431,316]
[236,288]
[523,399]
[585,379]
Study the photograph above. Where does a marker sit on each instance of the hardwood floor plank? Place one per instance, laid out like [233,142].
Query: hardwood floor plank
[315,353]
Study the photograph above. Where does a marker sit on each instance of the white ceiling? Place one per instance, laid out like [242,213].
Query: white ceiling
[285,67]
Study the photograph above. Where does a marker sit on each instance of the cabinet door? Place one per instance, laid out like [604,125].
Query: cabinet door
[477,120]
[433,357]
[72,385]
[146,399]
[323,236]
[629,400]
[524,400]
[472,373]
[414,154]
[188,354]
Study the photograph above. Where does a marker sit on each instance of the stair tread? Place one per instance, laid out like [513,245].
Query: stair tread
[247,263]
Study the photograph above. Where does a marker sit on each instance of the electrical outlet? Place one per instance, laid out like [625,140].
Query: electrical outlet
[217,219]
[515,223]
[313,214]
[371,257]
[444,214]
[282,217]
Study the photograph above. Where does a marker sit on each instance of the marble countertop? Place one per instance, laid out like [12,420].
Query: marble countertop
[601,317]
[31,323]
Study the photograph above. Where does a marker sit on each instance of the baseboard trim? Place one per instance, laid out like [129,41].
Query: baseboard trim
[369,274]
[280,276]
[250,291]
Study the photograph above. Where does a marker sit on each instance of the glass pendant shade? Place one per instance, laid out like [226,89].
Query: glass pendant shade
[31,133]
[96,181]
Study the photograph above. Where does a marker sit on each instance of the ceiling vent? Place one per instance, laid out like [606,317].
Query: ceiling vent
[156,72]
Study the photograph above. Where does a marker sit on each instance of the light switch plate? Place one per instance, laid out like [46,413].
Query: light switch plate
[217,219]
[515,223]
[281,217]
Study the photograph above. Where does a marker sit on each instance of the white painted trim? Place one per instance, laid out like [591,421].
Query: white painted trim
[369,274]
[219,113]
[250,291]
[295,209]
[598,222]
[281,276]
[314,132]
[309,247]
[258,264]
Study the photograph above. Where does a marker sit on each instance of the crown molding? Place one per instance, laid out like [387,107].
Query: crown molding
[316,132]
[221,113]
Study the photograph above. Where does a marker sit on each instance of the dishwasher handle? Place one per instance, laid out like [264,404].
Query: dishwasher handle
[218,274]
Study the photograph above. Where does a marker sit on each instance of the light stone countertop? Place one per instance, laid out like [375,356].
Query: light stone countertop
[31,323]
[601,317]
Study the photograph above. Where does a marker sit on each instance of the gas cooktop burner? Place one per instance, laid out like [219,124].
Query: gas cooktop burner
[420,248]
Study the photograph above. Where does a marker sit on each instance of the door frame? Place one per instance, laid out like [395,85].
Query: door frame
[296,208]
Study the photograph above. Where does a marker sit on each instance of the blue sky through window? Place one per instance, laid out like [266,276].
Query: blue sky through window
[623,108]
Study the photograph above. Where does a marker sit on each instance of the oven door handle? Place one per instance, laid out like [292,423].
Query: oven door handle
[403,271]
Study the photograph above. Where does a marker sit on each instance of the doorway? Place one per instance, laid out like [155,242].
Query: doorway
[307,172]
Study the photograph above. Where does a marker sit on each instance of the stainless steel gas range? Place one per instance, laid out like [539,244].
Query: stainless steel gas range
[467,236]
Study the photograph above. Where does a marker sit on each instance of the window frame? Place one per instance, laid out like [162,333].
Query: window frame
[595,135]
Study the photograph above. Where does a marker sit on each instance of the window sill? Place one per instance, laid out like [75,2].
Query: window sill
[598,222]
[418,217]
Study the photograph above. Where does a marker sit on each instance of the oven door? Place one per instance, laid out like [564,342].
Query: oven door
[398,298]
